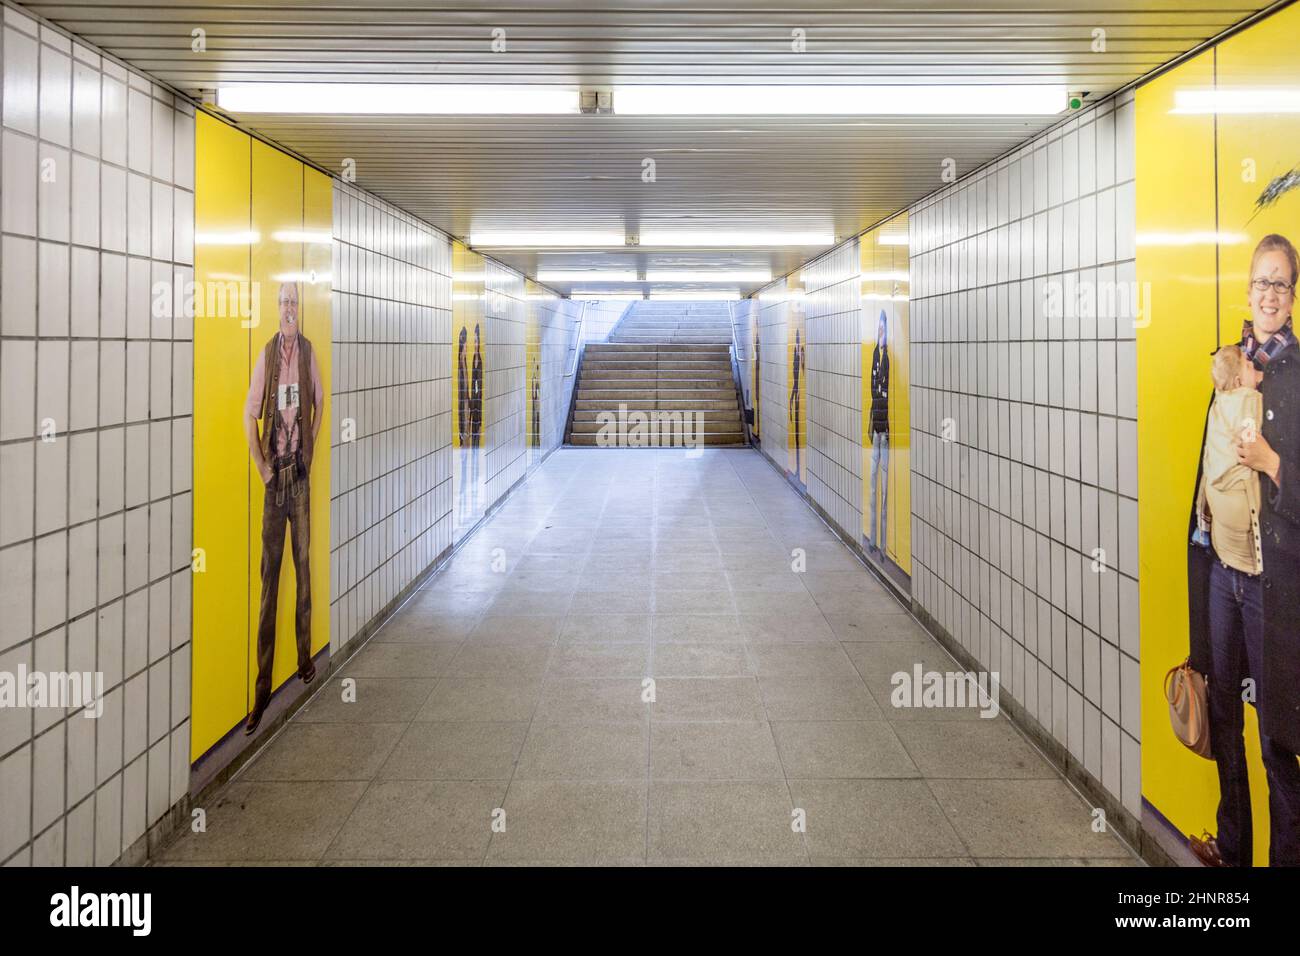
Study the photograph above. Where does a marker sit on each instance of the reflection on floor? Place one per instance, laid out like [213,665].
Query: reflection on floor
[499,717]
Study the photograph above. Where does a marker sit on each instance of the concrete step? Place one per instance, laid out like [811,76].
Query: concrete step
[707,426]
[658,348]
[707,414]
[634,374]
[660,441]
[631,394]
[666,404]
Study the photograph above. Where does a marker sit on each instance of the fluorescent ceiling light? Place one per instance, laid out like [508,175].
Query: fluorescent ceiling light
[594,275]
[394,98]
[891,240]
[696,296]
[713,238]
[944,100]
[1286,100]
[756,275]
[602,294]
[528,240]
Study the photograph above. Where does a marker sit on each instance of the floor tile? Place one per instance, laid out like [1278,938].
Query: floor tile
[420,819]
[713,751]
[834,749]
[456,750]
[558,821]
[585,751]
[874,818]
[1004,817]
[720,821]
[303,751]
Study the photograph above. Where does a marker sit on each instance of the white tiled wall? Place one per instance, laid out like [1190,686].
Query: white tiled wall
[97,192]
[772,316]
[834,359]
[504,427]
[1040,468]
[390,515]
[557,322]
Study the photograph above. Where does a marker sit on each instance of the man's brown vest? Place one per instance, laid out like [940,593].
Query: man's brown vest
[306,398]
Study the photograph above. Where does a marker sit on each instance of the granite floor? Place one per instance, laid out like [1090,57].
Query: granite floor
[621,667]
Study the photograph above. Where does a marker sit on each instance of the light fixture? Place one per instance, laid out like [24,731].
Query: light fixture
[714,238]
[892,240]
[603,294]
[754,275]
[695,296]
[911,100]
[395,98]
[1284,100]
[593,275]
[529,240]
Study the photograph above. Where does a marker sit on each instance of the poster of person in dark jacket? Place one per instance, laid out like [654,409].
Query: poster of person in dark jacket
[1218,448]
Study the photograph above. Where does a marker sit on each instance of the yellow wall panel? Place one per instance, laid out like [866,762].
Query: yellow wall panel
[221,264]
[261,218]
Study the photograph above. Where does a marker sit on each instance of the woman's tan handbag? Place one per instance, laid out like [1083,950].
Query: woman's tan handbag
[1189,712]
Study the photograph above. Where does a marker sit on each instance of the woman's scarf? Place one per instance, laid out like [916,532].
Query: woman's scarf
[1261,353]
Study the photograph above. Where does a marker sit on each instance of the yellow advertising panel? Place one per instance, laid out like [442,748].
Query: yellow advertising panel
[797,376]
[468,327]
[886,411]
[1213,174]
[263,225]
[222,307]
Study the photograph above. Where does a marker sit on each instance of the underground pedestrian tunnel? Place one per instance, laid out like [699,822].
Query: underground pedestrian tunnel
[648,434]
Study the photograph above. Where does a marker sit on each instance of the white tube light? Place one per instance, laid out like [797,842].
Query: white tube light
[912,100]
[695,296]
[757,275]
[588,276]
[1286,100]
[530,240]
[395,99]
[712,239]
[603,294]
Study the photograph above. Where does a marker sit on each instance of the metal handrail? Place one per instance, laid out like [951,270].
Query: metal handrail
[734,351]
[579,341]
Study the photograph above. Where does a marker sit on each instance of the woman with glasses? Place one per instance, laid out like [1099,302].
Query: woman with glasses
[1245,628]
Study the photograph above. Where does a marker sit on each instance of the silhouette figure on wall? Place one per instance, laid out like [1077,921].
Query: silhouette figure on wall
[462,417]
[476,410]
[796,368]
[536,397]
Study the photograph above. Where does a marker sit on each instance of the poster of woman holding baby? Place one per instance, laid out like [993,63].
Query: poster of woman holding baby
[1244,563]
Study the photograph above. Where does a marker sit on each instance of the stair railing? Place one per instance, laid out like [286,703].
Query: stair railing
[733,351]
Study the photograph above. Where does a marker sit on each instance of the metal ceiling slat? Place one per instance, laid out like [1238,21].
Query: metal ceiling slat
[464,172]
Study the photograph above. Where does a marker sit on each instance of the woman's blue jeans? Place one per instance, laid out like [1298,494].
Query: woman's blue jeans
[1236,651]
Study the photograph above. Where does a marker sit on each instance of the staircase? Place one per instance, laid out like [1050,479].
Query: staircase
[663,379]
